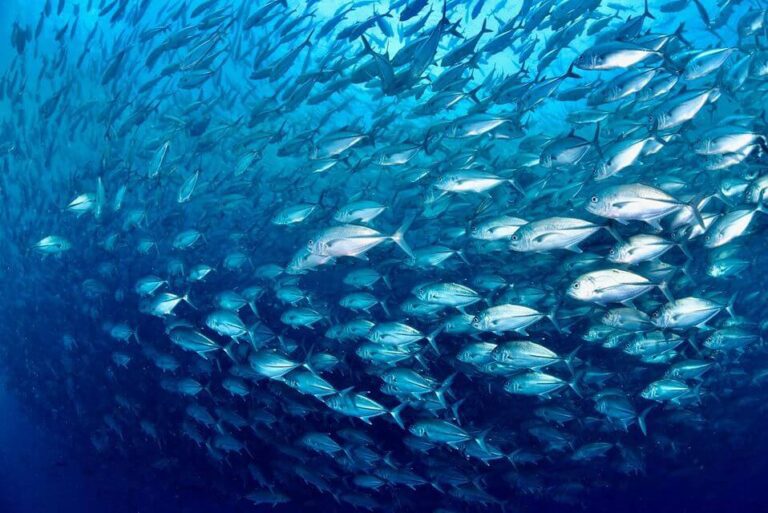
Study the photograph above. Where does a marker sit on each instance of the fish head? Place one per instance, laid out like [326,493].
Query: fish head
[317,247]
[660,317]
[521,240]
[512,385]
[612,318]
[602,171]
[716,270]
[582,288]
[650,392]
[480,322]
[389,389]
[618,253]
[589,60]
[389,377]
[501,354]
[418,429]
[364,351]
[713,238]
[714,341]
[599,204]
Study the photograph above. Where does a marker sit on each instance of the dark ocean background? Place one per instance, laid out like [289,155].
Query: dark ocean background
[48,466]
[41,473]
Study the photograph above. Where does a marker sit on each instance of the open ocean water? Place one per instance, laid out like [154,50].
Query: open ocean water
[416,255]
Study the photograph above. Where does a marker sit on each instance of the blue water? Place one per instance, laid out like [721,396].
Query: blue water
[40,475]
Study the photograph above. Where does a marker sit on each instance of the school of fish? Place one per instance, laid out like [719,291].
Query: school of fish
[409,255]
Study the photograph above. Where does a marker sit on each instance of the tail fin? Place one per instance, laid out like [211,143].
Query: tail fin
[570,73]
[514,183]
[610,229]
[596,140]
[641,420]
[647,12]
[440,392]
[552,316]
[574,384]
[664,288]
[432,339]
[480,439]
[186,299]
[396,414]
[568,360]
[693,205]
[398,239]
[679,35]
[729,306]
[228,351]
[455,410]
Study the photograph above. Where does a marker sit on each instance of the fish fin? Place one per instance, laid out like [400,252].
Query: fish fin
[186,299]
[570,73]
[440,392]
[647,12]
[693,205]
[432,339]
[228,351]
[455,410]
[574,248]
[568,360]
[575,386]
[729,306]
[395,413]
[552,316]
[383,305]
[480,439]
[664,288]
[641,419]
[398,239]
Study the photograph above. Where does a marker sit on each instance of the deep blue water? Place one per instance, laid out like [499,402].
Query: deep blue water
[39,475]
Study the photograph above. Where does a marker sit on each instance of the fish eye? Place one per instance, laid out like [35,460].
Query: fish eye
[594,199]
[576,285]
[514,237]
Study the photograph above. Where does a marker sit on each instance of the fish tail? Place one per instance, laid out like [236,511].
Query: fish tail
[395,413]
[480,439]
[574,385]
[552,316]
[398,239]
[679,35]
[642,422]
[647,11]
[664,288]
[228,351]
[432,339]
[570,73]
[693,205]
[729,306]
[568,360]
[186,299]
[444,387]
